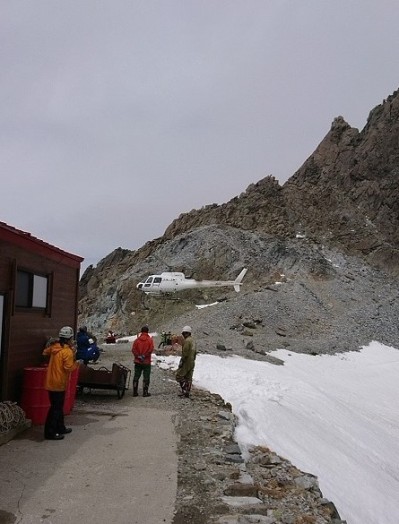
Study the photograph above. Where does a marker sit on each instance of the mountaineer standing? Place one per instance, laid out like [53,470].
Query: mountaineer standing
[62,363]
[142,349]
[184,374]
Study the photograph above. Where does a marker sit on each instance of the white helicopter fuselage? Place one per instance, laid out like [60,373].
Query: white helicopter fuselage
[171,282]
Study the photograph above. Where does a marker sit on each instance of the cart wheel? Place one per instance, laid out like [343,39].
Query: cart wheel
[120,389]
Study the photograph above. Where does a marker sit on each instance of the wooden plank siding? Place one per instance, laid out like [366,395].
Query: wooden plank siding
[26,330]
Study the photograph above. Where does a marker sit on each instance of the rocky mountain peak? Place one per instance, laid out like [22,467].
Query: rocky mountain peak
[345,193]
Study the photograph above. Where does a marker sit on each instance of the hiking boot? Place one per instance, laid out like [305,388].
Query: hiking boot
[135,388]
[145,391]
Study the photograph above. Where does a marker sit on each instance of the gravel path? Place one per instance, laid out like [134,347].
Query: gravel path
[215,485]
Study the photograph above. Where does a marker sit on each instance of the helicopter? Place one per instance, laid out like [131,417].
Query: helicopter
[171,282]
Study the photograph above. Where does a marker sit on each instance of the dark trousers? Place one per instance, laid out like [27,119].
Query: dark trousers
[55,416]
[142,368]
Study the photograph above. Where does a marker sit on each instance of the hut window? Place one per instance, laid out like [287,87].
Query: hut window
[31,290]
[39,297]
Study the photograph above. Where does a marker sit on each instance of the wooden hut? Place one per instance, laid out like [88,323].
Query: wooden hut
[38,295]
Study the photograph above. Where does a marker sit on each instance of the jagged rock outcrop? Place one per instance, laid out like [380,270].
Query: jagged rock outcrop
[345,194]
[260,208]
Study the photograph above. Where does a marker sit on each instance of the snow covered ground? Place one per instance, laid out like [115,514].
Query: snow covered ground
[336,416]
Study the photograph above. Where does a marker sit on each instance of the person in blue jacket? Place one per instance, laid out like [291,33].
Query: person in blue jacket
[87,348]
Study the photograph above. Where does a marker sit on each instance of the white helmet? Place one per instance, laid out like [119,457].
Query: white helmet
[186,329]
[66,332]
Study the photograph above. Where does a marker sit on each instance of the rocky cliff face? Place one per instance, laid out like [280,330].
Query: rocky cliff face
[345,194]
[343,200]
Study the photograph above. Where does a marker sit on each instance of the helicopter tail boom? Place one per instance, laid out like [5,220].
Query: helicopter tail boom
[191,284]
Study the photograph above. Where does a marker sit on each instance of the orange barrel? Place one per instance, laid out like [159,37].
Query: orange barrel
[35,401]
[70,393]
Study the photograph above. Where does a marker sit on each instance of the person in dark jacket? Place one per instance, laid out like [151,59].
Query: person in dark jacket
[87,348]
[184,374]
[142,349]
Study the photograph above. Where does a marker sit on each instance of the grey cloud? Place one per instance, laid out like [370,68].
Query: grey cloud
[132,112]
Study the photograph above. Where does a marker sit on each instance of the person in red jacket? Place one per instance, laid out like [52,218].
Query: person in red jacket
[142,349]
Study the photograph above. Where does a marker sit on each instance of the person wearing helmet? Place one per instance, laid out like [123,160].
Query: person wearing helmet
[142,349]
[184,374]
[62,363]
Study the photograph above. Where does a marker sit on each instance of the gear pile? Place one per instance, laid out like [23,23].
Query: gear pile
[11,416]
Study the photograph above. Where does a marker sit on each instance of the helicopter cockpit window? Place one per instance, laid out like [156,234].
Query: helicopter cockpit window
[148,282]
[157,280]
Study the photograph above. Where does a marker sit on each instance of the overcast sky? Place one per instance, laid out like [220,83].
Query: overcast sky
[117,116]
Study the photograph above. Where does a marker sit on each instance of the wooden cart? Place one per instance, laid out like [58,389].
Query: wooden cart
[117,378]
